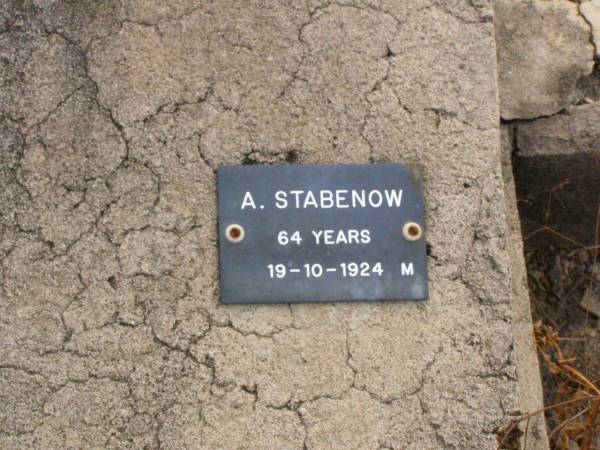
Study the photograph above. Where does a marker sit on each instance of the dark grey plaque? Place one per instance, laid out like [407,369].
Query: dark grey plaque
[315,233]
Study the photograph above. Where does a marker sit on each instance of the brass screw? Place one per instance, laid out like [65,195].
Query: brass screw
[235,233]
[412,231]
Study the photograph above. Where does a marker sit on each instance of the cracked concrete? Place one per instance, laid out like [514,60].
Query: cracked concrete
[590,10]
[557,143]
[114,116]
[544,47]
[559,149]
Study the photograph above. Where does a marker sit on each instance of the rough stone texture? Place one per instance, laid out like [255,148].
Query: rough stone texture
[588,88]
[590,10]
[526,357]
[543,48]
[575,131]
[556,160]
[114,117]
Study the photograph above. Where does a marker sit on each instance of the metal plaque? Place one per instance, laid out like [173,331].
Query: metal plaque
[316,233]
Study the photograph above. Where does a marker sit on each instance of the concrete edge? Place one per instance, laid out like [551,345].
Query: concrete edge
[526,359]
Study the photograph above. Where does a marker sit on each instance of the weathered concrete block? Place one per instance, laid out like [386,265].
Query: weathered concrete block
[590,9]
[530,386]
[575,131]
[557,163]
[543,48]
[109,307]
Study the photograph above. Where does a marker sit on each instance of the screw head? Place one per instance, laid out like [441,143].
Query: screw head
[412,231]
[234,233]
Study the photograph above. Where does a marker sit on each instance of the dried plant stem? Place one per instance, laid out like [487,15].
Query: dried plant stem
[528,416]
[566,421]
[553,231]
[590,287]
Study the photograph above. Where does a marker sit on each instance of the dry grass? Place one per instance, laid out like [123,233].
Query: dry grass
[573,414]
[577,409]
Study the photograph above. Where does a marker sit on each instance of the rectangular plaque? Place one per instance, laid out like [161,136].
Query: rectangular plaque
[316,233]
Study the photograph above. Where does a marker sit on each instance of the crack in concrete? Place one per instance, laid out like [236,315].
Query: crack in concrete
[183,346]
[586,20]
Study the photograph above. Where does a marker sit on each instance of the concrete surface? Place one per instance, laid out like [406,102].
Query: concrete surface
[526,356]
[557,161]
[114,117]
[544,47]
[575,131]
[590,10]
[588,88]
